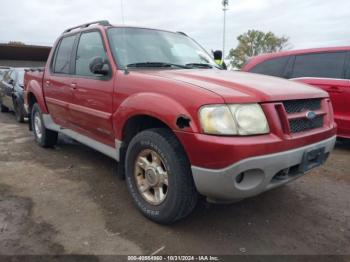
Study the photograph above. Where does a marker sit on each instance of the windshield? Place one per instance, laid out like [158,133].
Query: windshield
[132,46]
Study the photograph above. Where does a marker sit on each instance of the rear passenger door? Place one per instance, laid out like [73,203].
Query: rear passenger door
[58,91]
[328,71]
[91,110]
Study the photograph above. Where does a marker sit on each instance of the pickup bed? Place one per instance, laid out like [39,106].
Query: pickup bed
[178,124]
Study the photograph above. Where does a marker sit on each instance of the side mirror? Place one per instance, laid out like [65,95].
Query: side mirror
[218,55]
[99,66]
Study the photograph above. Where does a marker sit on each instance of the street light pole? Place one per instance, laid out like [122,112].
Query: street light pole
[122,11]
[225,8]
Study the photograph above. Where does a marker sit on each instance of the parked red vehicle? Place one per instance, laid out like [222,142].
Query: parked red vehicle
[326,68]
[178,124]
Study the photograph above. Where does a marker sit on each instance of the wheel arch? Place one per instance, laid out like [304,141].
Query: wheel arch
[133,126]
[156,106]
[139,123]
[35,91]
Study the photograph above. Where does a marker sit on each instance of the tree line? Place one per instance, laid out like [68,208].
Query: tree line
[253,43]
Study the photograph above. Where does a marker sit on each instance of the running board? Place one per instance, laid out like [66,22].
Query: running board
[100,147]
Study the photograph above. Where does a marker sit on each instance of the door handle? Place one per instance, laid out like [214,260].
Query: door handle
[48,83]
[73,86]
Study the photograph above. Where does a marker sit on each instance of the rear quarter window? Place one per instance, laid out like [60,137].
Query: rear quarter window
[272,67]
[325,65]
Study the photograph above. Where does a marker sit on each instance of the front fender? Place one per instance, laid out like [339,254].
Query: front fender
[35,88]
[155,105]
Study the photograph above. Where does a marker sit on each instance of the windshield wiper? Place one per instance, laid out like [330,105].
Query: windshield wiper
[156,64]
[199,65]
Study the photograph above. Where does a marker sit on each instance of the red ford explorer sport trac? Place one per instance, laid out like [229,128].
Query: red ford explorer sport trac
[326,68]
[179,126]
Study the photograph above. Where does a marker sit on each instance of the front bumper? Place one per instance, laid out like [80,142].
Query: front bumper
[253,176]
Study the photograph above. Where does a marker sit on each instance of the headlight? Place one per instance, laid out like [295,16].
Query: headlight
[238,119]
[217,120]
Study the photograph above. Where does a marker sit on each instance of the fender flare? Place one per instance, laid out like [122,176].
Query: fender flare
[155,105]
[35,88]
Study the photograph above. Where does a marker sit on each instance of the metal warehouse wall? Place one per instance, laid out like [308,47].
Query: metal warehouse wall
[23,55]
[21,63]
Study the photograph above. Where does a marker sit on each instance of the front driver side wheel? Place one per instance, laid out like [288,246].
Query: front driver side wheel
[43,136]
[159,177]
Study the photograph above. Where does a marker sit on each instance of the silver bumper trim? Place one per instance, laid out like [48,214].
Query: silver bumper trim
[259,173]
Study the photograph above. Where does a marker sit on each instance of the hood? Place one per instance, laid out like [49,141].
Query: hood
[245,87]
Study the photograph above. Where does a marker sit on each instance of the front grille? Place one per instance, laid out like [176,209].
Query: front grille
[304,124]
[298,106]
[295,107]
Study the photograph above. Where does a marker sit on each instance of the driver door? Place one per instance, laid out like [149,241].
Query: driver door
[91,109]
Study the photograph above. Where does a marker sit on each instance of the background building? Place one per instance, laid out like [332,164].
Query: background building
[20,55]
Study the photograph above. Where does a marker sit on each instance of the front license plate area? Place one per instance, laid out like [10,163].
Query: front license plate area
[312,159]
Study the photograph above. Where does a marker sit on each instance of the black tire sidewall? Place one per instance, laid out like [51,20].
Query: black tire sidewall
[35,110]
[18,112]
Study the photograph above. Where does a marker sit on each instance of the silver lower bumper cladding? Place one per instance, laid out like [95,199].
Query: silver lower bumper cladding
[253,176]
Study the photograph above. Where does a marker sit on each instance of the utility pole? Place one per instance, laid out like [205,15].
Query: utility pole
[225,4]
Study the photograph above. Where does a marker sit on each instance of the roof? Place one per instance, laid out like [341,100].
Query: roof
[24,52]
[261,58]
[310,50]
[106,25]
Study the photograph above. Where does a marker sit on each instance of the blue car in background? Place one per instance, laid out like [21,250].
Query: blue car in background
[11,92]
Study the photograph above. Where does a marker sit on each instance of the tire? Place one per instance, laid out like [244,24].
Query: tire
[19,112]
[44,137]
[181,195]
[3,108]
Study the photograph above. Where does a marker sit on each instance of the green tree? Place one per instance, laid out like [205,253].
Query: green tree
[17,43]
[254,43]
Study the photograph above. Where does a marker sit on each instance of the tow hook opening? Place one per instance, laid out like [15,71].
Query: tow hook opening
[239,178]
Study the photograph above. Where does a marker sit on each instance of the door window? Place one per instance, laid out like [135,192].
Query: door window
[272,67]
[325,65]
[90,46]
[63,55]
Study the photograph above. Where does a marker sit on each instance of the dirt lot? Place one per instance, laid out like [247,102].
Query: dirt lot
[67,201]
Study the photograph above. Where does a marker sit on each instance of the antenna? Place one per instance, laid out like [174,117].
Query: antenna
[225,4]
[122,11]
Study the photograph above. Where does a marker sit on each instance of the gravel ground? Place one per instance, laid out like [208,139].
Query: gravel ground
[67,201]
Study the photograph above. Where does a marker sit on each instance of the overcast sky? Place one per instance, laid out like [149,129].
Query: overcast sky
[308,23]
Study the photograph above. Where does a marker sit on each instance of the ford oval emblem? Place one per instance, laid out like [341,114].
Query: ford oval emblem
[311,115]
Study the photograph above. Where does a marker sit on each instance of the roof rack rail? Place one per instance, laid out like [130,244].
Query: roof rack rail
[102,22]
[182,33]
